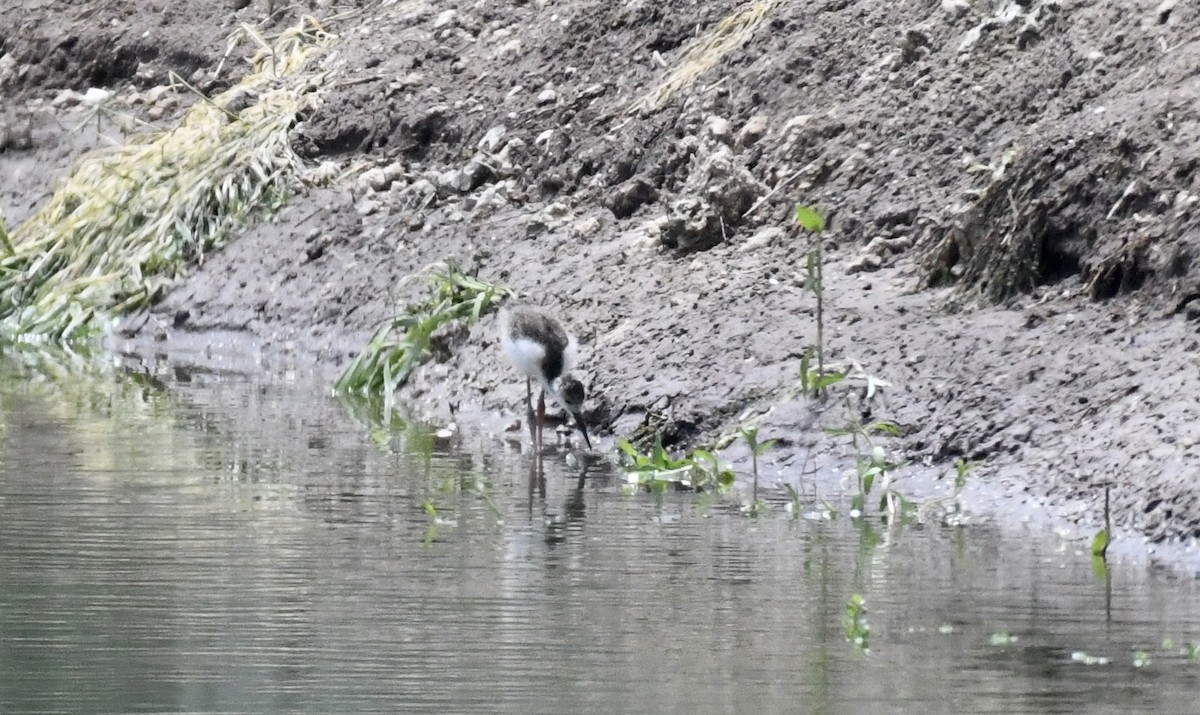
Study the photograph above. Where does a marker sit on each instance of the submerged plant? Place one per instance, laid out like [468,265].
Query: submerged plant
[949,508]
[657,470]
[453,488]
[127,220]
[1101,540]
[872,465]
[403,343]
[858,631]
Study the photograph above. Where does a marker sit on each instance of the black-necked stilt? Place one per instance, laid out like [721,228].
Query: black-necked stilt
[541,348]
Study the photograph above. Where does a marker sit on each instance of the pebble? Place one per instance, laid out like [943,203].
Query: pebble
[753,130]
[547,96]
[366,207]
[718,128]
[865,263]
[956,8]
[493,139]
[8,69]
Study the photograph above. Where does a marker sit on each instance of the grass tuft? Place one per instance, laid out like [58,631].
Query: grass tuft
[403,343]
[127,220]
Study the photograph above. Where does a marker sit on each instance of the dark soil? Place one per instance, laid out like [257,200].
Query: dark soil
[1013,194]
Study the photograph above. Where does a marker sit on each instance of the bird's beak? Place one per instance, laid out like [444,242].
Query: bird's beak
[578,416]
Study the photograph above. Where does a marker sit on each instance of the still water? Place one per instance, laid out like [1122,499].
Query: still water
[227,546]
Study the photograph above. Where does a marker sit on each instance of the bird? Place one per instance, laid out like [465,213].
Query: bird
[540,347]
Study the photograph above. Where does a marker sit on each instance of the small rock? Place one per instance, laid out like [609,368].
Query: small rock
[493,139]
[8,69]
[592,91]
[629,196]
[589,226]
[557,210]
[692,225]
[956,8]
[864,263]
[753,130]
[761,239]
[893,216]
[155,94]
[16,131]
[95,96]
[454,180]
[375,179]
[445,18]
[1162,14]
[914,45]
[421,188]
[535,227]
[366,207]
[547,96]
[718,128]
[877,246]
[542,140]
[66,98]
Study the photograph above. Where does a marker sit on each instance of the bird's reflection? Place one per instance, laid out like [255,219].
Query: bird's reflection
[574,511]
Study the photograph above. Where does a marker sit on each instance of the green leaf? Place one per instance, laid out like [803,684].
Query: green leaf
[828,380]
[888,428]
[627,447]
[805,362]
[759,449]
[809,219]
[1100,543]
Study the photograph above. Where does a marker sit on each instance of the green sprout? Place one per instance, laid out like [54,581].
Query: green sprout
[750,434]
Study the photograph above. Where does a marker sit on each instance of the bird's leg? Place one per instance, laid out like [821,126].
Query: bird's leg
[529,410]
[541,419]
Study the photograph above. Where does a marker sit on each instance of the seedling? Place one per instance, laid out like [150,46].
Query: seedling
[871,465]
[812,221]
[750,434]
[815,382]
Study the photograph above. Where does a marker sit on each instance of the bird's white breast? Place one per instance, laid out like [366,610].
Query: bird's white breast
[526,354]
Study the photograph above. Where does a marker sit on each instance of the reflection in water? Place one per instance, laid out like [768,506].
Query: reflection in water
[246,548]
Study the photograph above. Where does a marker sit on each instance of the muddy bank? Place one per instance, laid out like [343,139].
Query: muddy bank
[1012,190]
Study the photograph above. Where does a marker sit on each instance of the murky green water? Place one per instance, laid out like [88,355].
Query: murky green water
[239,548]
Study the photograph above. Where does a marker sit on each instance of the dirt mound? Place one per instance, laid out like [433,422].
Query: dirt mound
[634,165]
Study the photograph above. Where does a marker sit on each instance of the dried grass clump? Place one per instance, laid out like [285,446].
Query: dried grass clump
[705,51]
[128,220]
